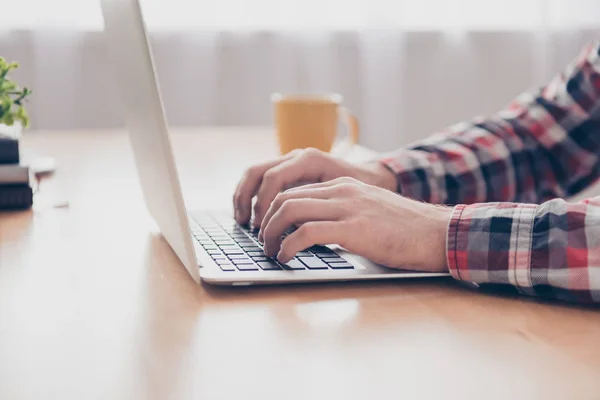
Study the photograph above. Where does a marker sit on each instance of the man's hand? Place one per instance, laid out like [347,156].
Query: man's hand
[369,221]
[299,167]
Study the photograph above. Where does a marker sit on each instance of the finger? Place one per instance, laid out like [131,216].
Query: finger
[309,234]
[305,167]
[248,186]
[296,212]
[302,193]
[346,180]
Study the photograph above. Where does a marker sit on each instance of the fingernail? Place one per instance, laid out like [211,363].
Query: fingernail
[280,258]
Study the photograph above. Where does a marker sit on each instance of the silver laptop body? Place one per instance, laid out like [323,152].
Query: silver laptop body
[193,236]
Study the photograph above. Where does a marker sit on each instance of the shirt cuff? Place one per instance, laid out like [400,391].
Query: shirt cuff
[416,175]
[491,243]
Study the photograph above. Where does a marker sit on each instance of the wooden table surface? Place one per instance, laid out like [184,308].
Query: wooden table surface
[95,305]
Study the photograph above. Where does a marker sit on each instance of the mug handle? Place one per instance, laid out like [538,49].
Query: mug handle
[350,120]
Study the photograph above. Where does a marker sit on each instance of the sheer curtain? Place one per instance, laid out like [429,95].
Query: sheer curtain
[407,68]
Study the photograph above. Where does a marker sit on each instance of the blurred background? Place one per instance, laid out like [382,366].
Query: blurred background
[407,68]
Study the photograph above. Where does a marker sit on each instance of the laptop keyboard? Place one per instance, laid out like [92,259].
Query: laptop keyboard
[236,248]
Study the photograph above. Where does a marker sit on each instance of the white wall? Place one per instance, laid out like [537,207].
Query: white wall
[402,85]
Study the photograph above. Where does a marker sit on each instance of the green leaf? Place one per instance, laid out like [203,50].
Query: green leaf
[6,86]
[26,92]
[11,97]
[22,116]
[8,119]
[6,102]
[6,67]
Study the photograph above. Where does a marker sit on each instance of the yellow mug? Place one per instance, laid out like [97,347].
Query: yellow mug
[303,121]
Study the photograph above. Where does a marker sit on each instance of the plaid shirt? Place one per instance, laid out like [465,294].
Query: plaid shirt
[506,176]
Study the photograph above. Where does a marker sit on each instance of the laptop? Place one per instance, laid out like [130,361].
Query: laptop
[211,246]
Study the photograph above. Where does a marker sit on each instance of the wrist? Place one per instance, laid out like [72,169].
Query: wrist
[376,174]
[441,216]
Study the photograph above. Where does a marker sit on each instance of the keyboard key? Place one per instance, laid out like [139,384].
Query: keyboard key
[220,238]
[293,264]
[227,223]
[206,242]
[232,251]
[238,256]
[313,263]
[227,267]
[210,247]
[251,248]
[225,242]
[328,257]
[228,247]
[261,258]
[245,242]
[320,249]
[247,267]
[334,260]
[214,252]
[256,253]
[221,261]
[303,254]
[268,265]
[254,233]
[240,261]
[344,265]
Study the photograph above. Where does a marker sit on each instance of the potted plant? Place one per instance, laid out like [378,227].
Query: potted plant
[13,116]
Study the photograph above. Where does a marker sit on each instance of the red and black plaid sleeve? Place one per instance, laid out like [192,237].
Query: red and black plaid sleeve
[497,171]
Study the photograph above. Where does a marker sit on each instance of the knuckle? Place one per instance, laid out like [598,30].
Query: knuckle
[252,172]
[287,208]
[361,221]
[280,199]
[270,177]
[349,180]
[312,153]
[346,188]
[344,180]
[306,232]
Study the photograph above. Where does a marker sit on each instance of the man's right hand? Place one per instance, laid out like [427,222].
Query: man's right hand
[296,168]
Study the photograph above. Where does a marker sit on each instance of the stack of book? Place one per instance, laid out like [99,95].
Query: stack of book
[15,178]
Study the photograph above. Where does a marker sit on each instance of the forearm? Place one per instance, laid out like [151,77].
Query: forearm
[543,146]
[550,250]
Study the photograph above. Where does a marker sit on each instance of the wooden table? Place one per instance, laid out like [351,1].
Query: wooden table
[95,305]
